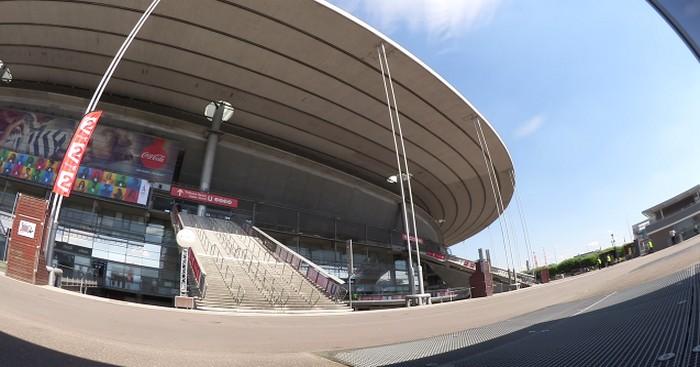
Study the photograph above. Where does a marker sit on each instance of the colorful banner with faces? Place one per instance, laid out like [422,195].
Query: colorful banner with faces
[92,181]
[112,149]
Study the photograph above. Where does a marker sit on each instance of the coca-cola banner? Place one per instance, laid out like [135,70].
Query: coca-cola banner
[111,149]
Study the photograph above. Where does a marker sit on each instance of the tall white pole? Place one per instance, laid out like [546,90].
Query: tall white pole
[407,229]
[523,222]
[408,174]
[500,199]
[493,189]
[57,200]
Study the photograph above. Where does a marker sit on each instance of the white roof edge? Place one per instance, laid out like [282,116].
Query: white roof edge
[419,62]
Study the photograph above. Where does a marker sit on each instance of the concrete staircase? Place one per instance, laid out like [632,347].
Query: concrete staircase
[244,275]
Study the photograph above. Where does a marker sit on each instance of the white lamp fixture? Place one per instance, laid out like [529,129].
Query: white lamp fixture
[210,109]
[5,74]
[186,238]
[395,178]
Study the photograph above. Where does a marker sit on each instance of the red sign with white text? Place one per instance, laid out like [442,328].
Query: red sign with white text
[469,264]
[203,197]
[74,154]
[436,255]
[413,239]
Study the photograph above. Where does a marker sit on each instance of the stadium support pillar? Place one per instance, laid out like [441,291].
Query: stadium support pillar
[481,281]
[210,153]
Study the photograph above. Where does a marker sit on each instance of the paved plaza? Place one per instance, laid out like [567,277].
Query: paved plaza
[42,326]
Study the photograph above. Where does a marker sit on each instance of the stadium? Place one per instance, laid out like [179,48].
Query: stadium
[306,158]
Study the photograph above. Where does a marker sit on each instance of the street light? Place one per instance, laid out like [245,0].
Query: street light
[395,178]
[210,110]
[217,112]
[5,74]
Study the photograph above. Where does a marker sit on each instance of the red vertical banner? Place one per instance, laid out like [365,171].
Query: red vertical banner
[74,154]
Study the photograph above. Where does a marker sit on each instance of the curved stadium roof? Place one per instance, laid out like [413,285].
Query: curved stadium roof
[302,75]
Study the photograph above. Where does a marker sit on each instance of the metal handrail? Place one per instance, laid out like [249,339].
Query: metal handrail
[256,259]
[313,271]
[260,280]
[219,262]
[261,264]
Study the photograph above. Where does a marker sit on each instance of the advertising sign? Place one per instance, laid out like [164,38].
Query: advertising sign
[90,181]
[413,239]
[203,197]
[26,229]
[110,149]
[469,265]
[67,173]
[436,255]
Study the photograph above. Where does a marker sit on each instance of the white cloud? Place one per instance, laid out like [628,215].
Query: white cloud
[440,19]
[593,245]
[530,126]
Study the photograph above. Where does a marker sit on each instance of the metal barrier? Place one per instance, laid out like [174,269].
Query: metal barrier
[451,294]
[252,251]
[227,274]
[247,258]
[522,278]
[329,284]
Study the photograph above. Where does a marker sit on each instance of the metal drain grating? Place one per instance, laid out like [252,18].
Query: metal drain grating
[645,326]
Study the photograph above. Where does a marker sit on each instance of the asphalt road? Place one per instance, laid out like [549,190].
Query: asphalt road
[48,327]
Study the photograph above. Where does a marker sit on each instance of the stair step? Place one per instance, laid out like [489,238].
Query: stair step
[253,293]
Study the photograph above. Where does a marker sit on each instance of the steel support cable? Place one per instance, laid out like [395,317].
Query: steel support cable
[399,177]
[493,178]
[493,190]
[523,223]
[500,198]
[513,234]
[408,173]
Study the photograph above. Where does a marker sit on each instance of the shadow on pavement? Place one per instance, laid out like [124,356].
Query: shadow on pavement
[15,352]
[660,328]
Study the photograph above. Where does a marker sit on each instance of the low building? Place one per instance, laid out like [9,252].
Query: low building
[670,222]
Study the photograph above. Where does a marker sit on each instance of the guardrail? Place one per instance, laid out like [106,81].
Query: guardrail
[522,278]
[451,294]
[257,260]
[253,260]
[227,274]
[329,284]
[303,277]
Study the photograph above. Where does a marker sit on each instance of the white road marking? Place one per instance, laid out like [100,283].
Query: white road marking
[596,302]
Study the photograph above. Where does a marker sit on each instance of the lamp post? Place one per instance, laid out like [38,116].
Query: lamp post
[217,112]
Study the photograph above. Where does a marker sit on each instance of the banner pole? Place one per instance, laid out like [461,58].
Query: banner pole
[97,95]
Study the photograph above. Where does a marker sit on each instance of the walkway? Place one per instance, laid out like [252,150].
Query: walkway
[126,334]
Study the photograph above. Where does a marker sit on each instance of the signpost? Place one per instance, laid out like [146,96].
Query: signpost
[203,197]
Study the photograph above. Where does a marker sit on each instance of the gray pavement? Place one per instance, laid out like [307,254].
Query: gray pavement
[46,321]
[633,327]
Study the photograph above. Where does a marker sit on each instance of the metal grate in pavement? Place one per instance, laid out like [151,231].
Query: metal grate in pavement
[656,324]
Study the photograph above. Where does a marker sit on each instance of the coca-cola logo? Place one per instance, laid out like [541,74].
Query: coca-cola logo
[153,157]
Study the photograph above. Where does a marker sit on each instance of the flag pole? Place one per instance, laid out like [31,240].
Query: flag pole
[57,199]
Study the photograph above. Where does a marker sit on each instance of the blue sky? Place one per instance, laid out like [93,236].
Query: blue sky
[597,101]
